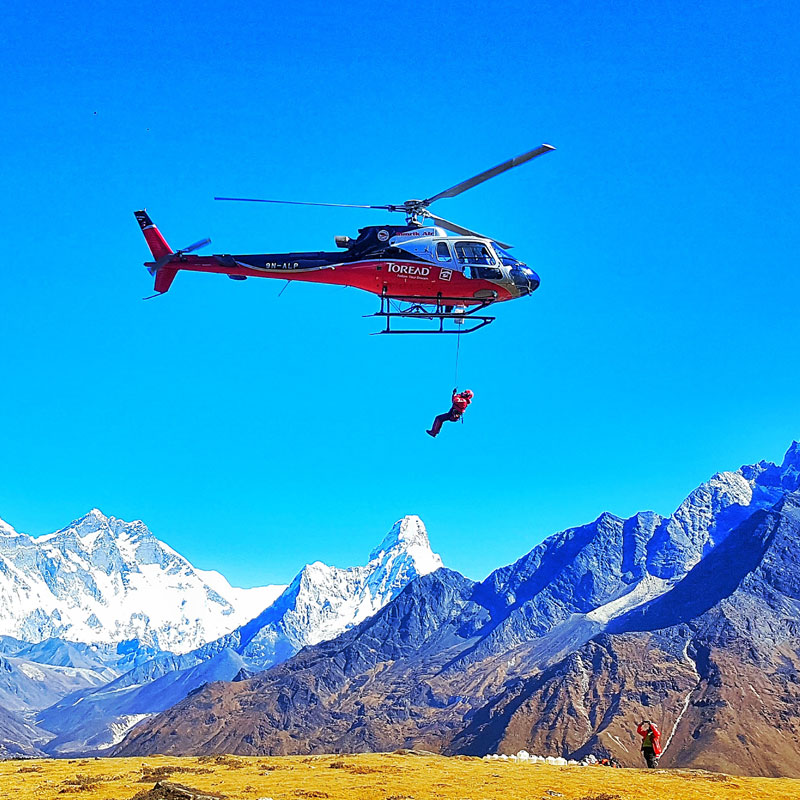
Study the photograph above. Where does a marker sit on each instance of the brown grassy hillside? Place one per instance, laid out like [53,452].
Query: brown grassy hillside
[372,777]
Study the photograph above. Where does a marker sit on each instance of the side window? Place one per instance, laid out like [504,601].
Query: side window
[443,252]
[487,273]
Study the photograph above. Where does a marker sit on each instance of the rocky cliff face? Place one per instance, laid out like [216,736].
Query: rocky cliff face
[690,620]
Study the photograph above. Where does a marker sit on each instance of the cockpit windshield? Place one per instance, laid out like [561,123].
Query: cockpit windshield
[506,259]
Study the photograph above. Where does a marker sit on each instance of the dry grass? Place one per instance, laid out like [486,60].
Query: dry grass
[374,777]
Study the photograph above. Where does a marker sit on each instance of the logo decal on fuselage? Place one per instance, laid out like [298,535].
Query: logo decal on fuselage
[445,274]
[383,236]
[412,271]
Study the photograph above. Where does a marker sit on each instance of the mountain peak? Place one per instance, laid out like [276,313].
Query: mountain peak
[112,529]
[406,533]
[792,457]
[95,518]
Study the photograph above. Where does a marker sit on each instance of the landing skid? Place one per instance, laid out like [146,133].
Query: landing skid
[440,315]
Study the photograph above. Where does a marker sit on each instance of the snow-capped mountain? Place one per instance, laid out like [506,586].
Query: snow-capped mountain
[320,603]
[323,602]
[102,580]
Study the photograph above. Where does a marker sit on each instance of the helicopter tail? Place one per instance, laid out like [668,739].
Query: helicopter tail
[161,251]
[155,241]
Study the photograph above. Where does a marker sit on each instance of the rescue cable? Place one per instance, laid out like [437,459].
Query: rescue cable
[458,351]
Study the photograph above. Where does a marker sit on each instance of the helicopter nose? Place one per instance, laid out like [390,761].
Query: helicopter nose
[533,281]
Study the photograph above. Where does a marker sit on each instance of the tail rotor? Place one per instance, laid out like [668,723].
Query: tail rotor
[165,259]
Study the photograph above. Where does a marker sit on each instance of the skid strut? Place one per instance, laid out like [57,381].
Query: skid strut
[445,315]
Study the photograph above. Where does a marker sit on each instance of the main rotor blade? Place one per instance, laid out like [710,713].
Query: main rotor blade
[451,226]
[490,173]
[304,203]
[196,246]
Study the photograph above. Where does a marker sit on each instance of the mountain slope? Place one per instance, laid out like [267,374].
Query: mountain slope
[19,738]
[29,686]
[91,723]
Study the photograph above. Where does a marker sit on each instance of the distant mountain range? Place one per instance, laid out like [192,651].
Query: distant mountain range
[692,620]
[72,697]
[101,580]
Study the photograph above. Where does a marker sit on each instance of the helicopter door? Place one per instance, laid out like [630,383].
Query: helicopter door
[476,261]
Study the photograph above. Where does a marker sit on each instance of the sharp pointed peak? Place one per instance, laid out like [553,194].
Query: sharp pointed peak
[408,531]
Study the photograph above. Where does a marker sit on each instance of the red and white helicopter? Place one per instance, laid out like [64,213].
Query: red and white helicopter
[434,282]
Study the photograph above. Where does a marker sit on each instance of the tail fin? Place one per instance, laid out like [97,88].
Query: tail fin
[155,241]
[160,249]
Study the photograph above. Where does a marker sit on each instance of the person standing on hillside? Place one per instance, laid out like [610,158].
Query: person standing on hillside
[651,749]
[460,402]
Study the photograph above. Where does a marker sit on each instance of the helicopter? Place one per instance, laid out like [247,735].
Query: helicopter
[427,280]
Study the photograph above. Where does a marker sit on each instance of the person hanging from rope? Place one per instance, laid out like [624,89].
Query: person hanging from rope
[460,402]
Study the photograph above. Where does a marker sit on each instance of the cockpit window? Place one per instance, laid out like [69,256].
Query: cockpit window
[443,252]
[505,257]
[469,253]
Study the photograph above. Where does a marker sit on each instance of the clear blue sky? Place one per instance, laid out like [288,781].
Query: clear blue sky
[255,433]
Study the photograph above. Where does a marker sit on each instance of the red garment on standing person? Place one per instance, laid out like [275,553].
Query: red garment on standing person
[653,740]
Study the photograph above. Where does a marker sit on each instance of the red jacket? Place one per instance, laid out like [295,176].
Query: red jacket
[460,403]
[656,736]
